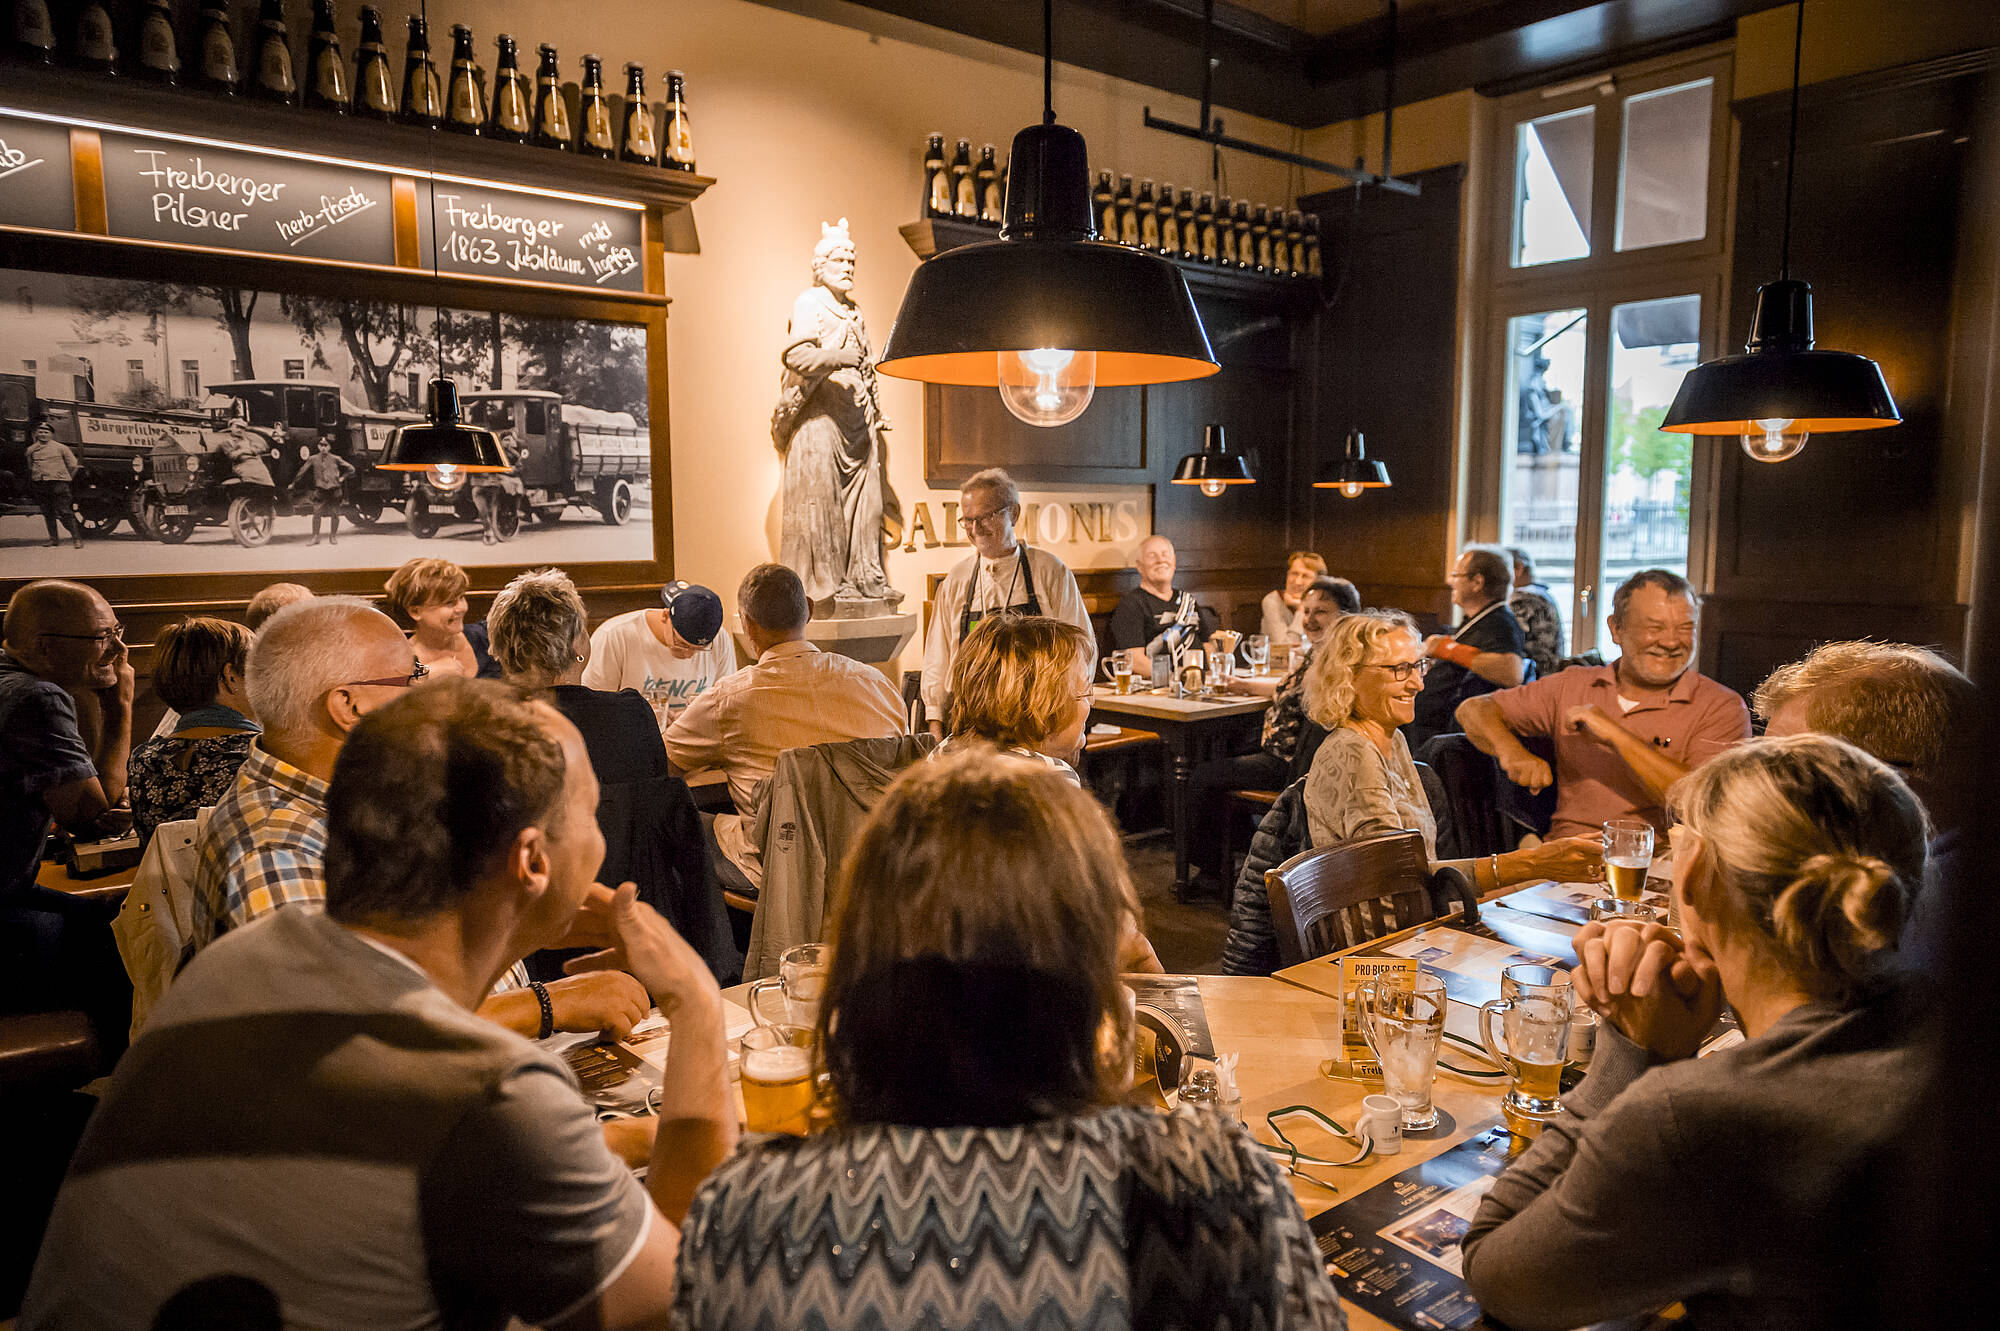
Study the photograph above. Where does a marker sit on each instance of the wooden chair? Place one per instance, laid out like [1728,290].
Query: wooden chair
[1337,897]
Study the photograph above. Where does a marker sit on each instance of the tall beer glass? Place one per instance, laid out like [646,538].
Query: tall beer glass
[1402,1018]
[1628,853]
[1534,1008]
[777,1075]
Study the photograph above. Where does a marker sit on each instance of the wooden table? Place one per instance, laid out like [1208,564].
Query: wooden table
[1194,730]
[110,887]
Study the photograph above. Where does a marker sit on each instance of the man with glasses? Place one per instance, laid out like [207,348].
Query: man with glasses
[1625,732]
[1004,575]
[65,737]
[1487,650]
[316,669]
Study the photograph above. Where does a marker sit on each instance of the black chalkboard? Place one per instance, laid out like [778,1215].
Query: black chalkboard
[35,185]
[163,190]
[531,237]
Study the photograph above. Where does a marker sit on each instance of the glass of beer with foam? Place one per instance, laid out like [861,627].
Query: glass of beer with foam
[1628,853]
[1534,1008]
[777,1075]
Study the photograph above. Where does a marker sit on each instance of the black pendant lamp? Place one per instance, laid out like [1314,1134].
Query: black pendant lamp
[444,446]
[1047,313]
[1355,471]
[1215,468]
[1780,391]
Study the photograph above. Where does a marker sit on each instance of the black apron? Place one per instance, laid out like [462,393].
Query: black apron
[967,617]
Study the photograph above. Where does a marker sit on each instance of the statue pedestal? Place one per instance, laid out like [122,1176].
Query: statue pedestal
[872,639]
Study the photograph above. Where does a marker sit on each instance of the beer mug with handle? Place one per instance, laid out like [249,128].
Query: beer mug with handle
[1402,1018]
[800,979]
[1534,1009]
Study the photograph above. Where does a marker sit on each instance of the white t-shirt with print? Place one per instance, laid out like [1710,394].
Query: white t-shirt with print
[625,654]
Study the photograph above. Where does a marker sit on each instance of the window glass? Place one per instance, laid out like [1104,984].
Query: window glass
[537,417]
[1663,166]
[1544,438]
[329,408]
[1647,472]
[299,414]
[265,404]
[1552,174]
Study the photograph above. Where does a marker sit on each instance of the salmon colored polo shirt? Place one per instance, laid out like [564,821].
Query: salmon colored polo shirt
[1698,719]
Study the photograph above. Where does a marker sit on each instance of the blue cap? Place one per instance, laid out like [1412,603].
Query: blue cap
[694,610]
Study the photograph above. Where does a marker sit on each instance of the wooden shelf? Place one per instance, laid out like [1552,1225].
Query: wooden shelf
[932,235]
[135,104]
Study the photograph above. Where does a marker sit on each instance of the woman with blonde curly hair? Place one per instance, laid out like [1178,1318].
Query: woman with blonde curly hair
[1362,686]
[978,1042]
[1732,1183]
[1021,683]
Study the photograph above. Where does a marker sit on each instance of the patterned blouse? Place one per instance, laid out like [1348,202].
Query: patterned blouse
[170,778]
[1541,626]
[1353,791]
[1117,1218]
[1285,719]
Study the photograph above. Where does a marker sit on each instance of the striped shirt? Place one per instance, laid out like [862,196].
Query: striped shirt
[265,847]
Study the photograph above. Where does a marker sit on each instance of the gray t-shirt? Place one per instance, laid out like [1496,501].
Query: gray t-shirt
[306,1111]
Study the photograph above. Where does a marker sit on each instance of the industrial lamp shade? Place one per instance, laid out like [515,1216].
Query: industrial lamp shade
[443,443]
[1355,471]
[1047,283]
[1215,467]
[1780,378]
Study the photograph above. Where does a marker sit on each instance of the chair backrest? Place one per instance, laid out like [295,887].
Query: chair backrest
[1342,896]
[153,924]
[1470,819]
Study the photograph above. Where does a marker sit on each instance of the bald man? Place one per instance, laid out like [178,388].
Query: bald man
[318,667]
[59,763]
[1153,617]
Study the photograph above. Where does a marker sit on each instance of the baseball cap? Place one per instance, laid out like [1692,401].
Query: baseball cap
[694,610]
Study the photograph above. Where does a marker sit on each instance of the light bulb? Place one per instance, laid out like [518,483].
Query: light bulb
[445,476]
[1213,488]
[1047,386]
[1775,439]
[1351,489]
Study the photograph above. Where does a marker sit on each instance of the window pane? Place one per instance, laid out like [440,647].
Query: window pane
[1552,165]
[1663,169]
[1647,472]
[1544,433]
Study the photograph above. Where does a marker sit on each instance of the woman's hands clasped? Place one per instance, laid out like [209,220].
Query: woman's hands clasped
[1661,992]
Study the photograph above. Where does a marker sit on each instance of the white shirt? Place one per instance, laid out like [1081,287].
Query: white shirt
[794,696]
[1000,584]
[625,653]
[1280,623]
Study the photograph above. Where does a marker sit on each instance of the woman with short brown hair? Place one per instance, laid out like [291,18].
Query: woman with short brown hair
[427,597]
[198,671]
[977,1040]
[1283,609]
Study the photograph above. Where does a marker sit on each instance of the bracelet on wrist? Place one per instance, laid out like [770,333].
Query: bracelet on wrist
[541,992]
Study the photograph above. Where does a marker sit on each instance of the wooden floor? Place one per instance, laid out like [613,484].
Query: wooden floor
[1187,937]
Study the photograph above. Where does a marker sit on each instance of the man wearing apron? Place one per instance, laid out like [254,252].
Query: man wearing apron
[1004,575]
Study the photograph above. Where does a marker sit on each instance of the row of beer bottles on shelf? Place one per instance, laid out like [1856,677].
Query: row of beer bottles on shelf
[1232,234]
[511,108]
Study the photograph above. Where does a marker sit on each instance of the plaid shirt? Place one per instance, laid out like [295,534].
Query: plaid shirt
[265,847]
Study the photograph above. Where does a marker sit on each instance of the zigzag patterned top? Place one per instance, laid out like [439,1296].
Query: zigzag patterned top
[1115,1219]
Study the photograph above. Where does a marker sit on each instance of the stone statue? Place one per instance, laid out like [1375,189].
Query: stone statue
[828,427]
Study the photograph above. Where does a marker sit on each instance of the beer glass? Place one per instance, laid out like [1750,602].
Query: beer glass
[1257,648]
[1402,1018]
[1617,908]
[1119,667]
[777,1078]
[1628,852]
[1534,1007]
[800,979]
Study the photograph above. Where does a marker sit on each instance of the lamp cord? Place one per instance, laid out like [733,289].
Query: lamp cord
[1389,94]
[437,277]
[1048,62]
[1792,146]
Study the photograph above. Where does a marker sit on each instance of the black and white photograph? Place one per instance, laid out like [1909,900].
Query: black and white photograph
[167,427]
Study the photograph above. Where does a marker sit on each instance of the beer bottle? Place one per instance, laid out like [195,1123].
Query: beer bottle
[593,113]
[1149,217]
[1170,224]
[551,109]
[34,35]
[1260,231]
[423,99]
[1295,245]
[96,43]
[936,200]
[374,92]
[217,47]
[1246,247]
[1128,216]
[964,191]
[1102,207]
[326,70]
[1223,213]
[272,78]
[159,50]
[512,97]
[465,100]
[677,143]
[1281,244]
[1211,236]
[637,142]
[1190,230]
[986,179]
[1312,268]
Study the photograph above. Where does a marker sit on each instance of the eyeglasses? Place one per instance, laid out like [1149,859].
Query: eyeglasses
[1402,670]
[418,670]
[103,638]
[973,522]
